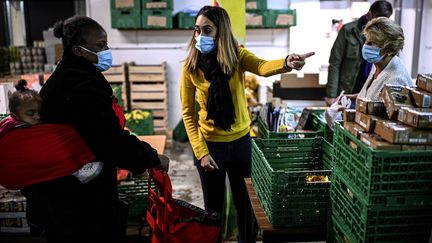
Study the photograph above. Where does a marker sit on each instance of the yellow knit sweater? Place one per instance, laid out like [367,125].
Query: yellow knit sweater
[192,85]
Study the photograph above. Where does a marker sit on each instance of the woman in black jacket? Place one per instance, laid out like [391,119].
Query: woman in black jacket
[77,93]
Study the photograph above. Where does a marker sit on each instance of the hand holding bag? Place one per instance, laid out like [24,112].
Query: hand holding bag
[176,221]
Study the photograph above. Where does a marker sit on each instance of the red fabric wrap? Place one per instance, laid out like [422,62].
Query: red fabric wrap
[40,153]
[43,152]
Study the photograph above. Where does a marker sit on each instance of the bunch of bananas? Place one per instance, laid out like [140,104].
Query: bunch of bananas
[138,115]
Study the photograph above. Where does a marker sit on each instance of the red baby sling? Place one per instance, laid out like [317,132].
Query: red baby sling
[43,152]
[176,221]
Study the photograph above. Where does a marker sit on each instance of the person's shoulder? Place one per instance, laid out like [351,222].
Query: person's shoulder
[350,25]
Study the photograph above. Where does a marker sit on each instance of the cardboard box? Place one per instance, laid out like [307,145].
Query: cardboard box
[5,90]
[416,117]
[395,97]
[376,142]
[367,122]
[371,107]
[396,132]
[354,128]
[424,81]
[421,98]
[299,80]
[348,115]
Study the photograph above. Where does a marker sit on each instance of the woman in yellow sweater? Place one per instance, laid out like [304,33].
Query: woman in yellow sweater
[212,75]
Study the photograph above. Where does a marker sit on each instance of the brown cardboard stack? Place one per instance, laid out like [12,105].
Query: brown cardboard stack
[395,123]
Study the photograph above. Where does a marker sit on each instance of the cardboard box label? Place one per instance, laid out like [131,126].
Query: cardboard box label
[157,5]
[159,21]
[254,20]
[124,3]
[285,19]
[251,5]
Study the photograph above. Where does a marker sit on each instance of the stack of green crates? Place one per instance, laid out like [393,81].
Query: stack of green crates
[289,180]
[157,14]
[136,191]
[318,123]
[379,196]
[266,133]
[256,12]
[258,16]
[126,16]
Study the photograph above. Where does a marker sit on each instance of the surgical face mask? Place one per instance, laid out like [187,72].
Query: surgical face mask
[104,59]
[371,53]
[205,44]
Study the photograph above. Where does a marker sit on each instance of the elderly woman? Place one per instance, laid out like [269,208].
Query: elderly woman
[384,40]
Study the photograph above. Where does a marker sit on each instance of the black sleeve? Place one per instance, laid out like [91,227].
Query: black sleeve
[94,119]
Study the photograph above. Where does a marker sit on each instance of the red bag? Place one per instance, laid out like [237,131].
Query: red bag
[176,221]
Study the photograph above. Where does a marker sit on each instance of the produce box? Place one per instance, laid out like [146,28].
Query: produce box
[396,132]
[395,97]
[349,115]
[424,81]
[421,98]
[288,177]
[371,107]
[282,18]
[354,128]
[416,117]
[376,142]
[367,122]
[185,20]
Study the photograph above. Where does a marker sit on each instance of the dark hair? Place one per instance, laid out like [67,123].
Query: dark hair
[73,31]
[381,9]
[21,95]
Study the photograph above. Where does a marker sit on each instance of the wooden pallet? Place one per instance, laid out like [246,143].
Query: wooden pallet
[116,75]
[149,91]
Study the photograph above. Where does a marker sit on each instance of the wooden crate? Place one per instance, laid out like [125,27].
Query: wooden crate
[116,75]
[149,90]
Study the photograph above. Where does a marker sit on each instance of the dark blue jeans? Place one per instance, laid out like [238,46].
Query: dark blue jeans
[233,158]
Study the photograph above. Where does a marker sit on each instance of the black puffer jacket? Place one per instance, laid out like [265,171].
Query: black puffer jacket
[77,93]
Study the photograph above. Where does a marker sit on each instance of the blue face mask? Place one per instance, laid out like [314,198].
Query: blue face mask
[104,59]
[371,53]
[205,44]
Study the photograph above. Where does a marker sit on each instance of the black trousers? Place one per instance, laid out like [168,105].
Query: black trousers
[235,159]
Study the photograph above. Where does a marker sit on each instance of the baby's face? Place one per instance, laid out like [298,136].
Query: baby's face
[28,112]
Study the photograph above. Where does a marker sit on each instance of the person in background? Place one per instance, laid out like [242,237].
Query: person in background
[384,41]
[347,69]
[212,75]
[78,94]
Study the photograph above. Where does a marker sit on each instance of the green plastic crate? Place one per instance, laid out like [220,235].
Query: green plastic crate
[157,4]
[136,191]
[140,125]
[318,123]
[372,171]
[256,4]
[280,169]
[281,18]
[405,217]
[126,17]
[327,155]
[185,20]
[157,19]
[265,133]
[256,19]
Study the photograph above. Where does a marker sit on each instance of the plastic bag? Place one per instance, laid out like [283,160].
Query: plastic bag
[334,112]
